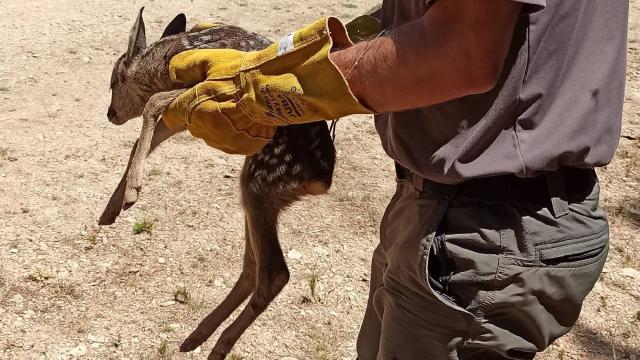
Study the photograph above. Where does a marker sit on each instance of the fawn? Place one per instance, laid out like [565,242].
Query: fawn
[298,161]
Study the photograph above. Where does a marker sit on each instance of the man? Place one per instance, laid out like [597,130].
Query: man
[496,113]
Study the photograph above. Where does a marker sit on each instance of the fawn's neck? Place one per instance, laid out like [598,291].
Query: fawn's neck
[152,67]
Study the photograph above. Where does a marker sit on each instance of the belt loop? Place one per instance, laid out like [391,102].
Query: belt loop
[557,193]
[418,182]
[398,168]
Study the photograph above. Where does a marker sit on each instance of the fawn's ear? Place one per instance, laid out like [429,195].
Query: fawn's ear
[137,37]
[176,26]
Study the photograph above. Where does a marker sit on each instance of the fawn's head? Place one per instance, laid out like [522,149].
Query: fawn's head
[129,91]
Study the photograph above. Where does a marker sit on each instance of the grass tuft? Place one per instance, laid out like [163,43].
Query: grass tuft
[313,283]
[155,172]
[4,153]
[39,276]
[143,226]
[182,295]
[163,349]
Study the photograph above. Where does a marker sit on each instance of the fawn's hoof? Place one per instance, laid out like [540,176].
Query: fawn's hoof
[190,344]
[130,198]
[107,219]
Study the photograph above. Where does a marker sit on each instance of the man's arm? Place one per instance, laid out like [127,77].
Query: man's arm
[456,49]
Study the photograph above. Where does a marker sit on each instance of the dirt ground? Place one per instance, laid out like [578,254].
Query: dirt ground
[69,288]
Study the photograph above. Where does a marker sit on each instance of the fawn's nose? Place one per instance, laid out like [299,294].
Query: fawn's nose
[111,113]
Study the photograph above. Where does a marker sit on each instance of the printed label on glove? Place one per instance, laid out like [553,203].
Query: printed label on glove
[282,105]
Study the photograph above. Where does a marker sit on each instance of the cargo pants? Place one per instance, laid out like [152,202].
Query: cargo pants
[458,277]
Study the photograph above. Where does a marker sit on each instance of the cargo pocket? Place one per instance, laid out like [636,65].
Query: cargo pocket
[439,270]
[573,253]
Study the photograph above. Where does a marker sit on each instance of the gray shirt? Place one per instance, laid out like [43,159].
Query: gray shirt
[557,103]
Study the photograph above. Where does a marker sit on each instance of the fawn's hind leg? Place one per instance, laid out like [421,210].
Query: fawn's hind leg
[241,290]
[272,275]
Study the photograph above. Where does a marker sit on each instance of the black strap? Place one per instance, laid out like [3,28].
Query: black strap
[550,187]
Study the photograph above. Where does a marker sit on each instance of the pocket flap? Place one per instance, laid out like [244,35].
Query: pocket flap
[573,247]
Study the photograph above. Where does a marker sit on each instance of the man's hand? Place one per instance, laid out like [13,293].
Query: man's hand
[456,49]
[239,98]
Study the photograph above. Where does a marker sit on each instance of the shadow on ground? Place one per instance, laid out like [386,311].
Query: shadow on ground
[601,345]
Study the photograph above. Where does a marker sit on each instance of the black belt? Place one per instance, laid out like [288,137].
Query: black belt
[559,187]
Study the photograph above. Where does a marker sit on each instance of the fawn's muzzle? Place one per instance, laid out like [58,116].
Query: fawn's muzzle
[112,114]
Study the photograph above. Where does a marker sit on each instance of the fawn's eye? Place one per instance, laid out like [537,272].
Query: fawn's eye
[114,80]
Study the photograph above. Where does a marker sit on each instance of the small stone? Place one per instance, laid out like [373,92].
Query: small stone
[197,350]
[630,273]
[320,250]
[218,282]
[13,251]
[79,350]
[168,303]
[17,299]
[161,260]
[294,254]
[97,339]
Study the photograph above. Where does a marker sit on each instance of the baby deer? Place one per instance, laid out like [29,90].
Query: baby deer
[298,161]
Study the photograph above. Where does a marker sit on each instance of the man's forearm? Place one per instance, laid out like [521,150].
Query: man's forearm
[456,49]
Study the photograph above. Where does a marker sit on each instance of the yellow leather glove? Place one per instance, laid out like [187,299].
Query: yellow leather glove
[239,98]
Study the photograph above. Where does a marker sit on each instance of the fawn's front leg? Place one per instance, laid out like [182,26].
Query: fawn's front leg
[155,106]
[114,206]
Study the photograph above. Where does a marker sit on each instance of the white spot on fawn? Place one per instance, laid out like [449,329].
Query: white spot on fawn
[261,173]
[280,170]
[272,176]
[278,149]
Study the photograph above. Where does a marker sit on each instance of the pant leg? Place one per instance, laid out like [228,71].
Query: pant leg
[507,279]
[405,318]
[369,336]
